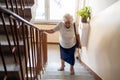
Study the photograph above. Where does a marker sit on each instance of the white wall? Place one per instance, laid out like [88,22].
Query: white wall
[99,5]
[102,54]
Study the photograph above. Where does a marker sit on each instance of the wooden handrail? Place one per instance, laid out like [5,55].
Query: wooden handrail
[17,17]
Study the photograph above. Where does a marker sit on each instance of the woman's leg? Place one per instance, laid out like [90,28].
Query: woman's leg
[71,69]
[62,65]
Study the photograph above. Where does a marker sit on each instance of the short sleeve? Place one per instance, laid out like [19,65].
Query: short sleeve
[57,28]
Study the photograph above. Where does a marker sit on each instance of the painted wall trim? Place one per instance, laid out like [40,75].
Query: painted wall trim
[91,71]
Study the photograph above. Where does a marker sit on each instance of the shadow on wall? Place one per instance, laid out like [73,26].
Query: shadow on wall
[109,54]
[103,53]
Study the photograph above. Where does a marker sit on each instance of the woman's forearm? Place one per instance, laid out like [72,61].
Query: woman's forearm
[78,38]
[49,31]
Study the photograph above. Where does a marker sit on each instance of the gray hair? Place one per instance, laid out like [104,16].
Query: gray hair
[68,17]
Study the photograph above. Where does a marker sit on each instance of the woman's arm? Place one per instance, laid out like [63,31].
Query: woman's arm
[49,31]
[53,29]
[78,38]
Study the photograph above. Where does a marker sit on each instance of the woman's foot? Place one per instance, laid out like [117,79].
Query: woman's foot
[61,69]
[72,70]
[72,73]
[62,65]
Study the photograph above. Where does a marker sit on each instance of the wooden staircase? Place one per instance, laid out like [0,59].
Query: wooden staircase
[20,7]
[13,68]
[23,47]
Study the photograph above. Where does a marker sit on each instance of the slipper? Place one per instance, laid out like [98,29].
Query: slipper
[61,69]
[72,73]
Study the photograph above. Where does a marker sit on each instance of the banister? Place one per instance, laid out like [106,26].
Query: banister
[32,53]
[8,12]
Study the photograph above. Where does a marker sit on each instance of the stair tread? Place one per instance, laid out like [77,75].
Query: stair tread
[10,67]
[9,61]
[10,64]
[65,75]
[52,73]
[4,41]
[6,22]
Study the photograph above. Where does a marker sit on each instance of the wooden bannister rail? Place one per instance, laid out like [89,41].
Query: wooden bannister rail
[17,17]
[27,44]
[20,7]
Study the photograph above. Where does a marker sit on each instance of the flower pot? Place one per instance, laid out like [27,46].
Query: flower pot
[84,20]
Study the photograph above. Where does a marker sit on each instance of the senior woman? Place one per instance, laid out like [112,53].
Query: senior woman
[67,40]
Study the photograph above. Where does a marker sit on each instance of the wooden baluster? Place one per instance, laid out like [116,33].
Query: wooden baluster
[24,42]
[26,2]
[40,52]
[18,48]
[7,35]
[3,61]
[42,44]
[12,30]
[6,3]
[14,40]
[10,21]
[35,52]
[28,50]
[22,8]
[16,5]
[33,63]
[45,48]
[11,3]
[23,2]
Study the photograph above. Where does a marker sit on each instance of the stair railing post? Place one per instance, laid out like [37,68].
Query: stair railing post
[24,42]
[18,49]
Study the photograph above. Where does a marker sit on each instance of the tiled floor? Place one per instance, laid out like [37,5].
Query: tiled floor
[51,72]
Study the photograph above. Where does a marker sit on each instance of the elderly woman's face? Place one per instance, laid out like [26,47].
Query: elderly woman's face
[67,24]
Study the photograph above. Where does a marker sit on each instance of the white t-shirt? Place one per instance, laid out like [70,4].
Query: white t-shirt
[67,37]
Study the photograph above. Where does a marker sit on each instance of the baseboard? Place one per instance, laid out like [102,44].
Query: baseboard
[52,42]
[91,71]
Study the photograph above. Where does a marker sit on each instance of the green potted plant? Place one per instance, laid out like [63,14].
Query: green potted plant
[85,14]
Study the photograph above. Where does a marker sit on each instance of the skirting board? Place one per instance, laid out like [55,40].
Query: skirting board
[90,70]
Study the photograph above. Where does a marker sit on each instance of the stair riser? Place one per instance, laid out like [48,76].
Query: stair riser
[6,50]
[27,12]
[11,75]
[2,31]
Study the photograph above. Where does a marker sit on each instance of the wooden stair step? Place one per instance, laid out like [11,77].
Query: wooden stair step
[13,69]
[27,11]
[31,2]
[11,76]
